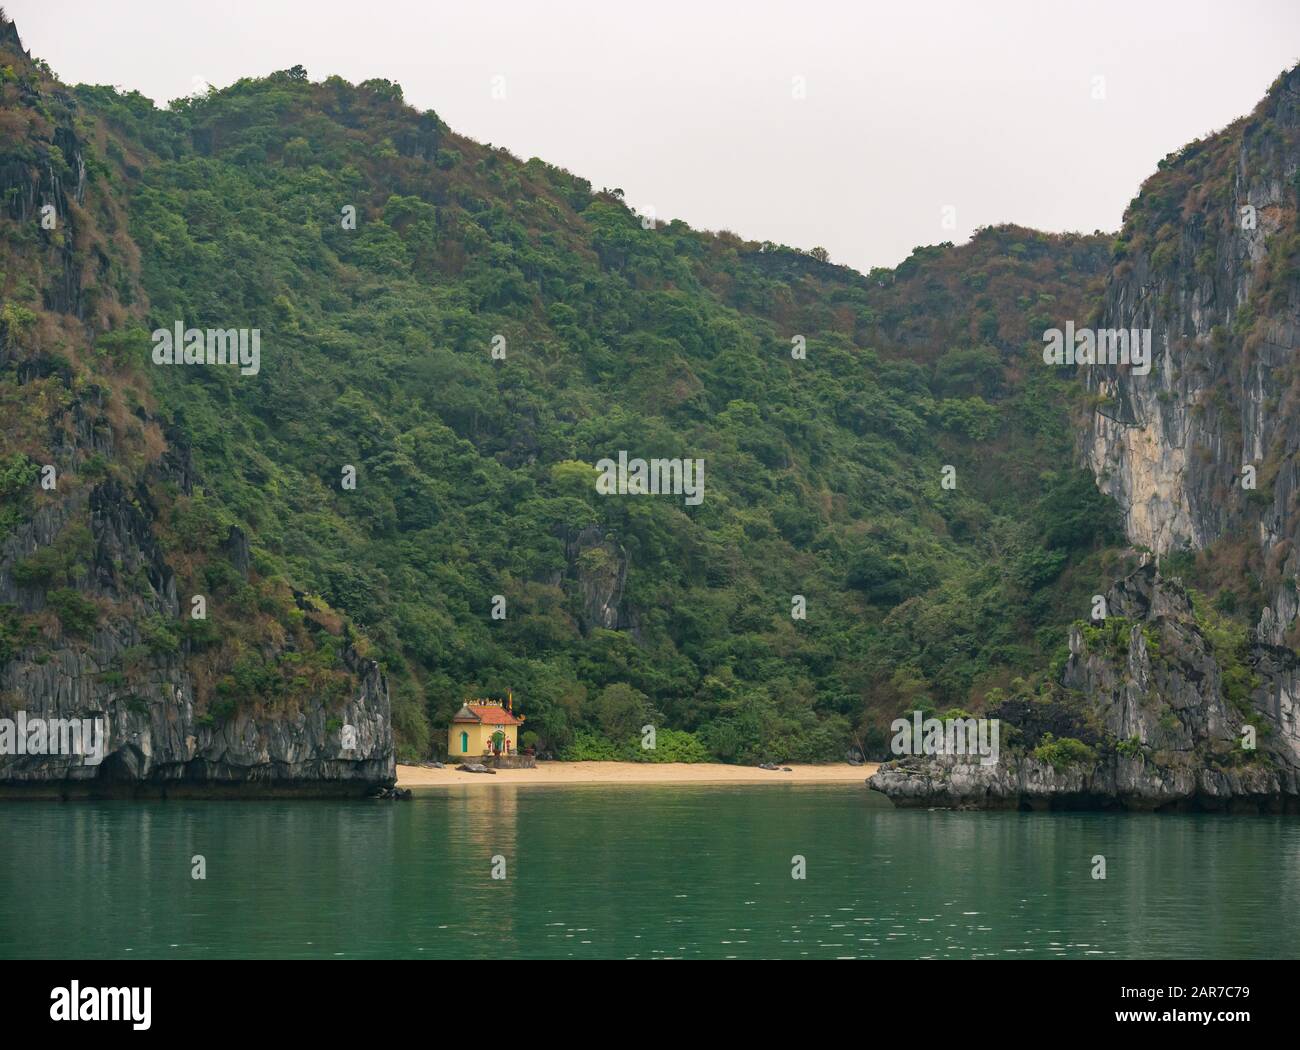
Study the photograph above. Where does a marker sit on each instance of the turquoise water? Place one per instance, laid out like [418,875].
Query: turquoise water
[638,872]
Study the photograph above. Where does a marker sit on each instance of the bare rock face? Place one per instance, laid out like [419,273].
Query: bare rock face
[1170,710]
[1207,267]
[158,741]
[1163,710]
[597,571]
[1025,783]
[157,745]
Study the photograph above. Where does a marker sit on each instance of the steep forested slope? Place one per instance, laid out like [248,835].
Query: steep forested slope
[1187,695]
[105,539]
[475,475]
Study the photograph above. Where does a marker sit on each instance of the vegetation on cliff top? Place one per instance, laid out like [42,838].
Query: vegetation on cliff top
[823,473]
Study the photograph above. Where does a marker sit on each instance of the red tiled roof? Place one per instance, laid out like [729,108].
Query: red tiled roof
[486,715]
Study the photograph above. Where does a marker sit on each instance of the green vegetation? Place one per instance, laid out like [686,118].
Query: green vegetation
[18,475]
[1230,641]
[1063,752]
[1130,748]
[1110,636]
[671,745]
[475,474]
[77,614]
[62,561]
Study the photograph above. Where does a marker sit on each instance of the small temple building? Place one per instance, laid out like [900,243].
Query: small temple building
[484,727]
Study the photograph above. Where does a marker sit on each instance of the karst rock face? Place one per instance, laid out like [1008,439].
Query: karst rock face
[1146,691]
[93,627]
[1199,452]
[264,687]
[157,739]
[1209,268]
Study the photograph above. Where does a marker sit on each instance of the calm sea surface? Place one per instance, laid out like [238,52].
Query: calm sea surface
[638,872]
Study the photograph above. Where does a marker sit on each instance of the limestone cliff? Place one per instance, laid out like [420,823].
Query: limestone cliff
[1159,700]
[107,538]
[1209,261]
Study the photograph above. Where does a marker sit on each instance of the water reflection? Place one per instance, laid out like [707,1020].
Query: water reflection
[695,871]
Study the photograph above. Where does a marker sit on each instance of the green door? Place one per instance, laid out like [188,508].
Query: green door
[464,743]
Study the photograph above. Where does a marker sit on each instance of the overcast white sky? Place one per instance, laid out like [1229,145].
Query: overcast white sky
[910,105]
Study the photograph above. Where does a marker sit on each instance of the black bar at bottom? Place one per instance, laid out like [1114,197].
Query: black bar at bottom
[254,999]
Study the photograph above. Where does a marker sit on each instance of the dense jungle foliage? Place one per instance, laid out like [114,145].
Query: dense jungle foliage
[475,473]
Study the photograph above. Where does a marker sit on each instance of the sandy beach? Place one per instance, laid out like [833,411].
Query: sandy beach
[637,773]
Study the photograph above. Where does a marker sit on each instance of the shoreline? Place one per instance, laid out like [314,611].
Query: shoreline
[560,773]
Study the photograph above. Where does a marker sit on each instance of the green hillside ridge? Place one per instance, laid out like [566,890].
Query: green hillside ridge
[475,476]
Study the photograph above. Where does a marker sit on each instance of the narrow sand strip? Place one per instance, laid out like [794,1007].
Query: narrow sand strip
[638,773]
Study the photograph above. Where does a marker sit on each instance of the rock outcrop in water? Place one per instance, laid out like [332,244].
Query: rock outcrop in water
[1159,698]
